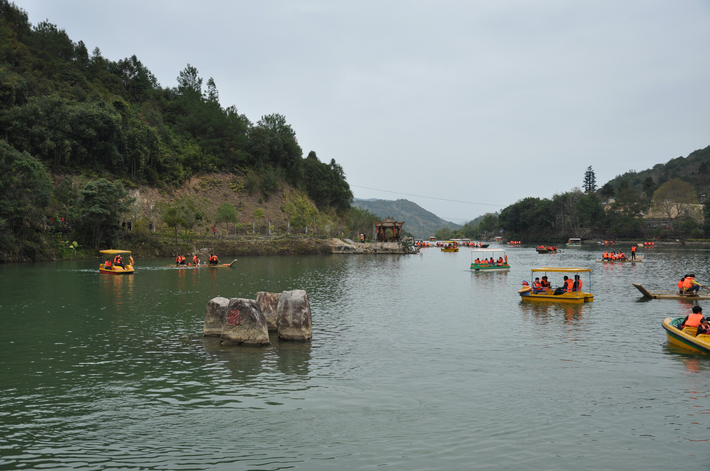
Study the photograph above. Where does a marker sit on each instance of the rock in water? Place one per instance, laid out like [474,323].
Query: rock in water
[294,316]
[268,303]
[214,315]
[244,324]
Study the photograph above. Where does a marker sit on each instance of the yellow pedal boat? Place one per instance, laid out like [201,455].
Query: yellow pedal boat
[687,337]
[557,295]
[126,269]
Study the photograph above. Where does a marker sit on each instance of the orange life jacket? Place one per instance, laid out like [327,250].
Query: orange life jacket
[506,259]
[107,264]
[116,259]
[688,283]
[569,285]
[536,285]
[693,319]
[680,283]
[195,260]
[604,255]
[579,285]
[633,249]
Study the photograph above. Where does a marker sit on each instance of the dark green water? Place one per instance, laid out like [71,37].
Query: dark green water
[415,363]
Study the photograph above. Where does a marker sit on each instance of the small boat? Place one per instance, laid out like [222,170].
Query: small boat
[449,246]
[669,294]
[639,258]
[574,242]
[556,295]
[546,249]
[687,337]
[127,269]
[485,254]
[204,265]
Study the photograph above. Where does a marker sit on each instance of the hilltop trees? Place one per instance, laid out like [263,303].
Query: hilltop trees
[674,198]
[590,181]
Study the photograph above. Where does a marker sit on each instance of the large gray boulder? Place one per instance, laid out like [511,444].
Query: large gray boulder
[214,315]
[268,303]
[294,316]
[244,324]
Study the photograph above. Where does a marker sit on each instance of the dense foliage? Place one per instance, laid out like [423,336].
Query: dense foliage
[75,112]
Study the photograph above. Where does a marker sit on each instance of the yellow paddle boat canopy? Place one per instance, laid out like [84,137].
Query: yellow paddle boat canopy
[560,294]
[126,269]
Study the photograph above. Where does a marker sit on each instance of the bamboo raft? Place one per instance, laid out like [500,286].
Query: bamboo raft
[189,265]
[639,258]
[668,294]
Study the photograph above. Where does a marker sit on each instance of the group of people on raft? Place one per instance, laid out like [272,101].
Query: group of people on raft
[492,262]
[620,256]
[181,260]
[550,248]
[569,285]
[687,286]
[117,262]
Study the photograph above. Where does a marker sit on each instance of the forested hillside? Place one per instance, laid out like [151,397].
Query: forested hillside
[667,201]
[74,116]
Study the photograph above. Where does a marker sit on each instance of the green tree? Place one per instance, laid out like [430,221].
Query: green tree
[99,211]
[590,181]
[674,198]
[25,189]
[258,215]
[227,213]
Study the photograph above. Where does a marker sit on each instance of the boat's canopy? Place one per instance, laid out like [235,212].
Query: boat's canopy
[114,252]
[574,239]
[487,250]
[561,269]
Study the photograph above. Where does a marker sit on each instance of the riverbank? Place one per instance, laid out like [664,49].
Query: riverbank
[146,246]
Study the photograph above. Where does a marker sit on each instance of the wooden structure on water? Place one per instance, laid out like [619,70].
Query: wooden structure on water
[669,294]
[389,230]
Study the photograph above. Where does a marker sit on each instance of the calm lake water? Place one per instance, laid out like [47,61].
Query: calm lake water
[416,363]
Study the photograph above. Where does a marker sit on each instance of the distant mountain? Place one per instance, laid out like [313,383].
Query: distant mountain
[418,221]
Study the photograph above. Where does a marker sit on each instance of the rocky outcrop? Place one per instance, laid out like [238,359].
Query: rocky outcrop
[347,246]
[214,316]
[294,316]
[244,324]
[268,304]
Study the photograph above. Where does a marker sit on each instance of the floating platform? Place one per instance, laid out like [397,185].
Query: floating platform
[669,294]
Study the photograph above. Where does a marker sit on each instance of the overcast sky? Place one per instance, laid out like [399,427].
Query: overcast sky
[483,103]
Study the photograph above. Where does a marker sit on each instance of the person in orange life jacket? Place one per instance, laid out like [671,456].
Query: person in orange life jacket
[633,252]
[564,286]
[545,284]
[537,286]
[604,255]
[477,261]
[693,319]
[107,263]
[491,262]
[680,284]
[195,260]
[577,284]
[704,327]
[214,260]
[117,261]
[500,261]
[690,286]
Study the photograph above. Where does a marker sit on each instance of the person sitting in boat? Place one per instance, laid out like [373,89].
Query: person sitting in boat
[577,284]
[477,261]
[693,319]
[537,286]
[213,259]
[690,286]
[195,260]
[491,262]
[117,262]
[604,255]
[704,327]
[566,286]
[500,261]
[107,264]
[545,284]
